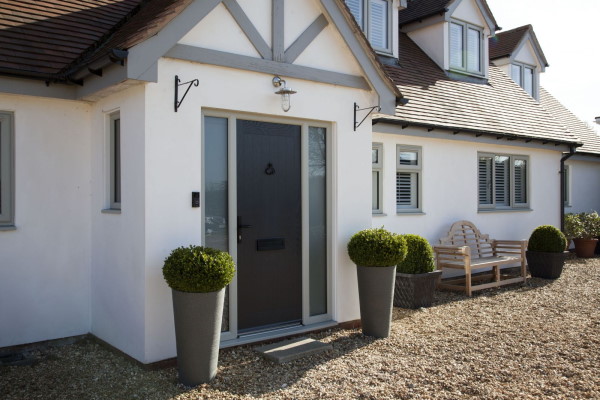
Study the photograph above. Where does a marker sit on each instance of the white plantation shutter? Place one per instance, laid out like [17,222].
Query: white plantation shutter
[502,180]
[406,189]
[375,192]
[356,7]
[378,23]
[485,180]
[515,72]
[473,50]
[456,45]
[528,80]
[520,168]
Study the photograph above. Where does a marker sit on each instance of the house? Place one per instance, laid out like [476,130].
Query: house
[261,127]
[520,55]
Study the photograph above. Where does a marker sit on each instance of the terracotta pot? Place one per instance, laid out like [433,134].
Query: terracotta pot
[585,248]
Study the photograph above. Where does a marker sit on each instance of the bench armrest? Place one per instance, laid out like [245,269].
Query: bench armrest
[510,247]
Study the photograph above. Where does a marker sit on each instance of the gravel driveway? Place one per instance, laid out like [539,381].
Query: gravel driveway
[536,341]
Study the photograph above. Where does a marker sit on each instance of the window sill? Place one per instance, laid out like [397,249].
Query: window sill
[412,212]
[379,214]
[7,228]
[503,210]
[111,211]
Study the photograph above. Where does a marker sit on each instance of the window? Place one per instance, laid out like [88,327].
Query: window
[466,47]
[524,76]
[6,169]
[374,17]
[377,162]
[503,181]
[115,160]
[408,178]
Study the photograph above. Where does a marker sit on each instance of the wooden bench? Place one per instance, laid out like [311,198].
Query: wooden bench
[467,249]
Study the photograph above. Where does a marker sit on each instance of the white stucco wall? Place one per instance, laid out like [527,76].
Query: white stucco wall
[45,262]
[118,274]
[449,191]
[584,188]
[433,40]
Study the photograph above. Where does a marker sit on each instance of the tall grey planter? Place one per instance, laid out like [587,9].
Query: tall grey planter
[198,319]
[376,296]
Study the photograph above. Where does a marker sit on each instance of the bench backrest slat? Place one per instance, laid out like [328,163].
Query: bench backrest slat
[465,233]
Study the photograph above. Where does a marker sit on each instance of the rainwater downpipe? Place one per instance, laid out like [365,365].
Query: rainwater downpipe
[564,158]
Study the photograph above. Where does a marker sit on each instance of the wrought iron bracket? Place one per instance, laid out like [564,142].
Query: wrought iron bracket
[178,83]
[357,109]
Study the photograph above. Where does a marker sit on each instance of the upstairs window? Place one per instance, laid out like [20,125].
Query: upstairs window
[374,18]
[503,181]
[466,47]
[523,75]
[6,169]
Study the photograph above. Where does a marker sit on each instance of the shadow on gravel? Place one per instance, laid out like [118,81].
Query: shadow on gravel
[244,372]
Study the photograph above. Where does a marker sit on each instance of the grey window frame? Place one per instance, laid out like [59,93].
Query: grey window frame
[365,25]
[513,205]
[522,66]
[413,169]
[7,169]
[115,176]
[466,26]
[378,167]
[567,185]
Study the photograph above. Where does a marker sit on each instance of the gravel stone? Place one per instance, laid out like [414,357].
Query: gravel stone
[531,341]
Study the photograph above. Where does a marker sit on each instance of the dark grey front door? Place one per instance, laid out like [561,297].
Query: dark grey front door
[269,222]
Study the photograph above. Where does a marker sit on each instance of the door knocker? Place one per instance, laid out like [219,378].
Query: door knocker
[269,170]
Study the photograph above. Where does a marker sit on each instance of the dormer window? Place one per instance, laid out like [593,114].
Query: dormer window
[523,75]
[374,18]
[466,48]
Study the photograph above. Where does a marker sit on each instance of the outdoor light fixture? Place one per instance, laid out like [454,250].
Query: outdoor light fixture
[284,91]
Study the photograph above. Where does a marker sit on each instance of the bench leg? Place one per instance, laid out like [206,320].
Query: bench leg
[468,281]
[496,269]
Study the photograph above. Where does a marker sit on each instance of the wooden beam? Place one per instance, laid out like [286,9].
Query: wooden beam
[305,39]
[278,30]
[249,29]
[222,59]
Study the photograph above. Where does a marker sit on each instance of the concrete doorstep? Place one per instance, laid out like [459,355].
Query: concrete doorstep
[293,349]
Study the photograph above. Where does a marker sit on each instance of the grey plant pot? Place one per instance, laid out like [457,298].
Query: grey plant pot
[376,297]
[545,265]
[415,290]
[198,332]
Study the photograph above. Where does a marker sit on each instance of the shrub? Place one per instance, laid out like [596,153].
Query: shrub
[198,269]
[376,248]
[547,239]
[419,257]
[583,225]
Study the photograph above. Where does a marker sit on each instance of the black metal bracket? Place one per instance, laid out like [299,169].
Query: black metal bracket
[194,82]
[357,109]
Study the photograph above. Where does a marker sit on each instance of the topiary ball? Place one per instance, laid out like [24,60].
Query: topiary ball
[198,269]
[419,258]
[376,247]
[547,239]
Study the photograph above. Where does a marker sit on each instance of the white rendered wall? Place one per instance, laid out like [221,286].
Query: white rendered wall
[118,274]
[433,40]
[45,262]
[449,191]
[584,187]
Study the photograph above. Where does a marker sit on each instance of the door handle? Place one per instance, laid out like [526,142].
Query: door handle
[241,226]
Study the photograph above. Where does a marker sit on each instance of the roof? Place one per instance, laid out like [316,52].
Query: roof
[589,137]
[504,44]
[499,107]
[51,39]
[418,10]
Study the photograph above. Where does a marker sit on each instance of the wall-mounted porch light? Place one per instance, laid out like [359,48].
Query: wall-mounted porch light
[284,91]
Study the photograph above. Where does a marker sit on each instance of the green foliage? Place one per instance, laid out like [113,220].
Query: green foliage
[547,239]
[198,269]
[376,248]
[419,258]
[582,225]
